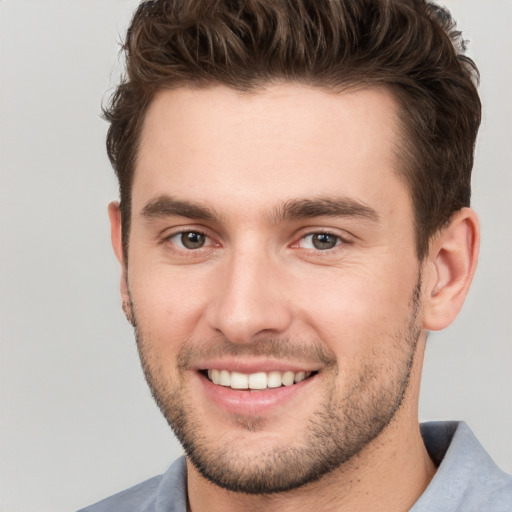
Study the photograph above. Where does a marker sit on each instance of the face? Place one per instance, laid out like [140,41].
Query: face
[272,278]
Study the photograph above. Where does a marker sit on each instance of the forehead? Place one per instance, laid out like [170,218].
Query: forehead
[284,142]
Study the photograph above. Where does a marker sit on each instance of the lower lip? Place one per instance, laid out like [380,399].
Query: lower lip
[249,402]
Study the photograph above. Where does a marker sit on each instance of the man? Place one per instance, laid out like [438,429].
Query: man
[294,219]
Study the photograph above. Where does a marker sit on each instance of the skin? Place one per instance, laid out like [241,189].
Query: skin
[258,293]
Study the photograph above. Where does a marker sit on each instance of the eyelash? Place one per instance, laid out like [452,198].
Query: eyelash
[170,237]
[339,241]
[179,247]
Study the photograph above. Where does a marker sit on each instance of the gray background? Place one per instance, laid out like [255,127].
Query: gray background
[77,422]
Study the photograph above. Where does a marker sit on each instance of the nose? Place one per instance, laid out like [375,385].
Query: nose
[250,299]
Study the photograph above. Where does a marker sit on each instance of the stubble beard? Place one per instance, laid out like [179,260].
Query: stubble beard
[337,431]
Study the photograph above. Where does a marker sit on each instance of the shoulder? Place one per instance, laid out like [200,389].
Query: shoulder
[164,492]
[467,478]
[133,498]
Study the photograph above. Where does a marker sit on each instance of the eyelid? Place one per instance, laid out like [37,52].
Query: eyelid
[342,236]
[168,235]
[339,241]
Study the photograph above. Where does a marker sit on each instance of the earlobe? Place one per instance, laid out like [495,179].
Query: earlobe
[452,263]
[125,297]
[114,214]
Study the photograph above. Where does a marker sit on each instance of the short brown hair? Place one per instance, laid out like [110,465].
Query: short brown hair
[409,46]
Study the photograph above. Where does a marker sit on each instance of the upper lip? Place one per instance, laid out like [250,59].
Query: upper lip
[249,366]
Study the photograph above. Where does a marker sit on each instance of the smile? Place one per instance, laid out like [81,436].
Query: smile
[256,381]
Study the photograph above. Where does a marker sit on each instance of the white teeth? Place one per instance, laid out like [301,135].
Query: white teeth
[260,380]
[288,378]
[300,376]
[239,380]
[225,378]
[274,380]
[215,376]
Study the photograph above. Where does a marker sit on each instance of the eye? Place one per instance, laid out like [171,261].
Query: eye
[320,241]
[189,240]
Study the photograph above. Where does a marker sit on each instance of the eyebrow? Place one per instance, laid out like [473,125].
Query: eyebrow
[294,209]
[325,207]
[166,206]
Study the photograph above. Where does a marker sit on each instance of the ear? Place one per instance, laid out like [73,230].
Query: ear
[116,233]
[451,264]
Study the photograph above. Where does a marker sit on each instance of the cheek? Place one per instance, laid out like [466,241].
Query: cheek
[168,306]
[355,312]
